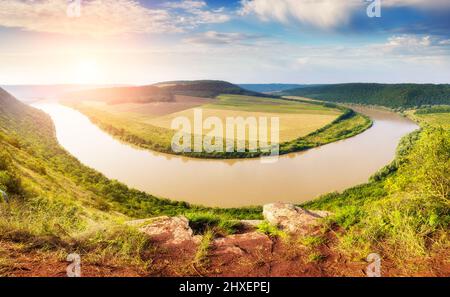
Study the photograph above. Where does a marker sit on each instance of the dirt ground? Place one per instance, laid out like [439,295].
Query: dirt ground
[241,256]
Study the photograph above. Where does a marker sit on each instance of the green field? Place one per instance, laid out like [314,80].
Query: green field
[303,125]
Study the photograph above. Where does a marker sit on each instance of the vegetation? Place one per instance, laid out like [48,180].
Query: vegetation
[205,88]
[56,203]
[389,95]
[404,212]
[295,134]
[270,88]
[270,230]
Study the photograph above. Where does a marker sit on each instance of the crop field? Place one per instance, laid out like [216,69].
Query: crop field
[436,119]
[145,120]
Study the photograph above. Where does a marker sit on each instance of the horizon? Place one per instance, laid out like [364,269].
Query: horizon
[247,41]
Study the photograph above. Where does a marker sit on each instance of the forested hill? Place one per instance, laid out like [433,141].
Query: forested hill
[160,92]
[204,88]
[389,95]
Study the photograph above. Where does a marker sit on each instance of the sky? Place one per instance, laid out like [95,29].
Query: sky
[241,41]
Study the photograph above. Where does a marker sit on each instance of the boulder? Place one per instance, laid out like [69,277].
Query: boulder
[240,244]
[167,230]
[291,218]
[250,225]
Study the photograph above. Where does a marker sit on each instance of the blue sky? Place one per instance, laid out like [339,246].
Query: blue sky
[250,41]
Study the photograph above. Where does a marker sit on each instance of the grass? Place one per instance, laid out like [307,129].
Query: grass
[404,211]
[201,222]
[313,241]
[303,125]
[201,256]
[270,230]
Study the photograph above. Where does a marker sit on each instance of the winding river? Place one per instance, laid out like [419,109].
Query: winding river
[296,177]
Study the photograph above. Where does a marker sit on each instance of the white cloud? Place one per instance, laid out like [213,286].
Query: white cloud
[197,12]
[324,14]
[320,13]
[417,3]
[220,38]
[106,17]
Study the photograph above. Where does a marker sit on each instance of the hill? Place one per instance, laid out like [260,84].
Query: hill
[160,92]
[120,95]
[389,95]
[204,88]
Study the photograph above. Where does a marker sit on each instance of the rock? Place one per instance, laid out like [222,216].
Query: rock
[240,244]
[167,230]
[291,218]
[250,225]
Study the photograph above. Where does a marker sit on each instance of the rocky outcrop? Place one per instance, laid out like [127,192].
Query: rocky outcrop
[291,218]
[240,244]
[168,230]
[175,231]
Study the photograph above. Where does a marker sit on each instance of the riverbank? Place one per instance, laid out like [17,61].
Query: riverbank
[293,178]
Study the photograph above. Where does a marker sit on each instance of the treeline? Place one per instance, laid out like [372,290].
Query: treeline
[389,95]
[205,88]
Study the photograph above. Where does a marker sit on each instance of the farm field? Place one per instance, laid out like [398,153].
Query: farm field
[149,124]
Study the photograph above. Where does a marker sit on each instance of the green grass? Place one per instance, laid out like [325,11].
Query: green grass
[315,257]
[405,210]
[201,256]
[313,241]
[200,222]
[270,230]
[269,105]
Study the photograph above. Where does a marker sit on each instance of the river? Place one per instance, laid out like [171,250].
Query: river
[294,178]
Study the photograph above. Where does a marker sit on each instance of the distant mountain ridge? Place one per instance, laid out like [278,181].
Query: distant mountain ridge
[389,95]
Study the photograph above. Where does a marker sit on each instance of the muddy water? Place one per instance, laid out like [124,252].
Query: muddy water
[295,177]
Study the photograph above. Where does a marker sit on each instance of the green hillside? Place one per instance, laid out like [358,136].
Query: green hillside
[204,88]
[51,202]
[389,95]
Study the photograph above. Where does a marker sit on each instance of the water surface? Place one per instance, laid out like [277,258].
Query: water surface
[294,178]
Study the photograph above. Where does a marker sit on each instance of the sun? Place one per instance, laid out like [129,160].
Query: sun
[87,71]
